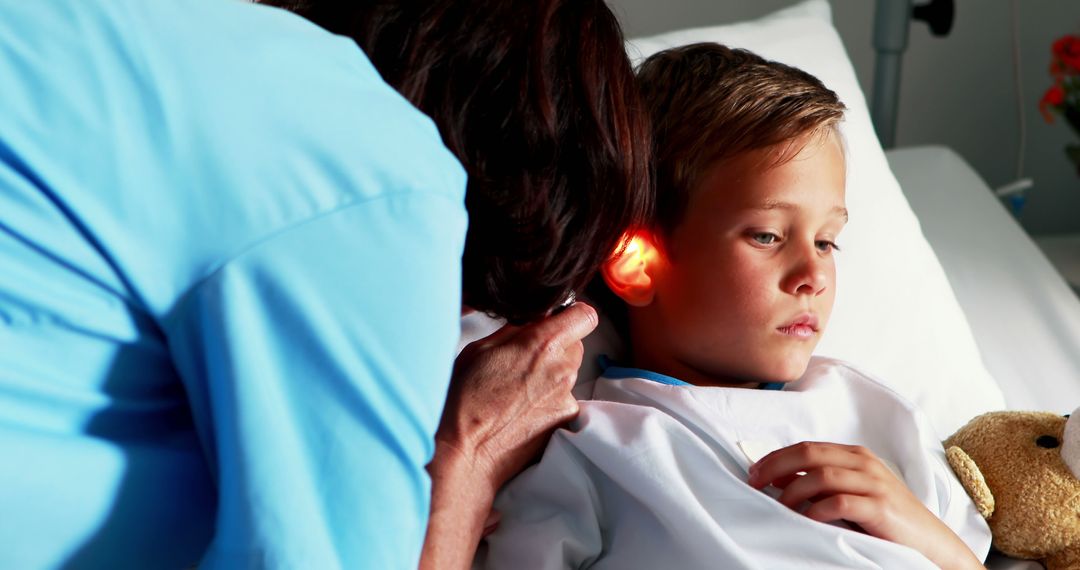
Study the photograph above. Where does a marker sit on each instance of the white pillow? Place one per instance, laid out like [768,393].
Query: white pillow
[895,316]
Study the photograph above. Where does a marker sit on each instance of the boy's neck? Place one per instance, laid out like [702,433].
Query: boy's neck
[648,352]
[670,366]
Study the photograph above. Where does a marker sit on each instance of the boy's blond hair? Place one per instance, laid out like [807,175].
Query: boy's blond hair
[709,103]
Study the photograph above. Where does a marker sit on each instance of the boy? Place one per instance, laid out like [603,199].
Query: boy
[726,294]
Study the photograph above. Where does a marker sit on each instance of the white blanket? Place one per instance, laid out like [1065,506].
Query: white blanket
[654,476]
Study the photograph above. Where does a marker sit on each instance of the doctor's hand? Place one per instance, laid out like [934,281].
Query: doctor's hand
[845,482]
[510,391]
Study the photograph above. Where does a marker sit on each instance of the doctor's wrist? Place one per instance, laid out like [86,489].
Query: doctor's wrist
[460,506]
[464,472]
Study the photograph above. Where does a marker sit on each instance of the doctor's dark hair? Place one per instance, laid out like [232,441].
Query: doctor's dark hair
[709,103]
[538,101]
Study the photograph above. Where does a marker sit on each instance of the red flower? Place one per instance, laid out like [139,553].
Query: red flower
[1057,69]
[1067,50]
[1053,97]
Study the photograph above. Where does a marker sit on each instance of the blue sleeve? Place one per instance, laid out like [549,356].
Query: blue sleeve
[229,291]
[317,363]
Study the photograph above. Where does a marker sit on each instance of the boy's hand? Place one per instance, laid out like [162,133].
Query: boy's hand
[845,482]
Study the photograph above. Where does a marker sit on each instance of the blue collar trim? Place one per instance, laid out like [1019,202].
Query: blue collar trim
[615,372]
[619,372]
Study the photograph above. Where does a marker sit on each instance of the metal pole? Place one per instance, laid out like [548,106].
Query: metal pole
[891,19]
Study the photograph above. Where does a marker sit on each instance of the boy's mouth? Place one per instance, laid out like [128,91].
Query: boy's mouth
[803,326]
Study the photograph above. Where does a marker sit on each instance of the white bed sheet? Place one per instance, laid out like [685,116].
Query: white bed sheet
[1025,317]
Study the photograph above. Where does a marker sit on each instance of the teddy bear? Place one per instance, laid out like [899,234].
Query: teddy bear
[1022,470]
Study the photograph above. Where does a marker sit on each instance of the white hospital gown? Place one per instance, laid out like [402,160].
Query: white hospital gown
[654,476]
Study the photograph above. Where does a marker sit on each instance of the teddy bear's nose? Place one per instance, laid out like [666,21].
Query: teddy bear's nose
[1047,441]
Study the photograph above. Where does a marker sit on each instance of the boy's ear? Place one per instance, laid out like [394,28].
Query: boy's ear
[629,275]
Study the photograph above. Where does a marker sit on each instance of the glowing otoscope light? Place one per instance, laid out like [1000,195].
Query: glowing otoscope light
[627,265]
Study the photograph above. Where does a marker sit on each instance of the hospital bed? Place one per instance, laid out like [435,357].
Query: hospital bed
[941,294]
[1024,316]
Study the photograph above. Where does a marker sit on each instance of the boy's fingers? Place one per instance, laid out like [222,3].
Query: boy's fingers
[784,481]
[806,456]
[841,507]
[825,482]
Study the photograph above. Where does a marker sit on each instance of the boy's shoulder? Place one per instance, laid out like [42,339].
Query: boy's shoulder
[624,422]
[829,385]
[629,420]
[824,371]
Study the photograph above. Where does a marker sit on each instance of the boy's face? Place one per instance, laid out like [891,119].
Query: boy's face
[749,279]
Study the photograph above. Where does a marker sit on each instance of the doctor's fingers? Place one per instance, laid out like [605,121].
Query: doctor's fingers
[503,334]
[780,465]
[558,332]
[554,332]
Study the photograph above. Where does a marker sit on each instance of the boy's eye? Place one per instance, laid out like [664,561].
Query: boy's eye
[826,246]
[765,238]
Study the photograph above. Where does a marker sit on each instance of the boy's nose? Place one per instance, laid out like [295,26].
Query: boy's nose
[808,277]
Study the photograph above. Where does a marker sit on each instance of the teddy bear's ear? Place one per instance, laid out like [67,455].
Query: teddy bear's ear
[972,479]
[1070,448]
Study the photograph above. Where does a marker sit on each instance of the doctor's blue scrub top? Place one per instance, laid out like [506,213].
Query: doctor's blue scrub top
[229,291]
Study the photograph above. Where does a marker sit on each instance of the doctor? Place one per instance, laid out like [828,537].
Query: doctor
[538,102]
[230,259]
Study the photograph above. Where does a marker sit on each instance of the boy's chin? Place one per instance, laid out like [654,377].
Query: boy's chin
[786,370]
